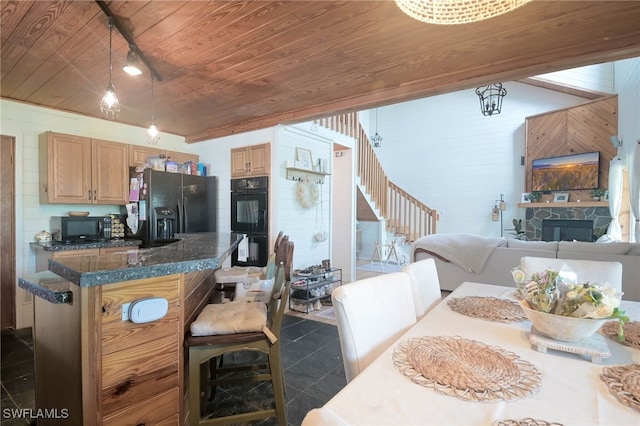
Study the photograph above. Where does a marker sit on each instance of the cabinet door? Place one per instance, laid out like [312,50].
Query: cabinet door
[110,172]
[239,162]
[160,409]
[43,256]
[65,169]
[181,157]
[138,154]
[139,360]
[260,159]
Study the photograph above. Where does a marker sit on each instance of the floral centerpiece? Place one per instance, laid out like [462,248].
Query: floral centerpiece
[559,293]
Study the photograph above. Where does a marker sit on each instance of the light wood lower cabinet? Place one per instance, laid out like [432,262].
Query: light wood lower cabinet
[158,410]
[108,371]
[43,256]
[138,361]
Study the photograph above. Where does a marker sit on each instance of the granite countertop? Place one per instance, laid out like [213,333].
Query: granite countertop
[194,252]
[56,246]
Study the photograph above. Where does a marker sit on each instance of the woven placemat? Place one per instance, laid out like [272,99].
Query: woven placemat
[526,422]
[488,308]
[466,369]
[631,332]
[624,383]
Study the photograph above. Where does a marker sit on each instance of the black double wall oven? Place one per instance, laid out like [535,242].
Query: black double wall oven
[249,215]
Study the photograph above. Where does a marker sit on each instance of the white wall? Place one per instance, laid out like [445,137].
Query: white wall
[25,123]
[597,77]
[217,153]
[627,84]
[443,151]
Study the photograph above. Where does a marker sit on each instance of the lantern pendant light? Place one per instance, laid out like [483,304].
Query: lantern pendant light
[109,105]
[152,135]
[376,139]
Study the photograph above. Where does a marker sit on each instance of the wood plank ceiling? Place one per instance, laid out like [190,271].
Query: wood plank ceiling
[234,66]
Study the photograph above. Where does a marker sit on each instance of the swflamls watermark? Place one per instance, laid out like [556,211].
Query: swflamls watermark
[35,413]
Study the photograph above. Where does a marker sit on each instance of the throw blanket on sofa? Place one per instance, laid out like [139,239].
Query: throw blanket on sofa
[470,252]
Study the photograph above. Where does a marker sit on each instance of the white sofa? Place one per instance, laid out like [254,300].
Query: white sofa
[507,254]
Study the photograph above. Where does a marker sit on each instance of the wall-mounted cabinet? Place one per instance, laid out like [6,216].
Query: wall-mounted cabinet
[80,170]
[138,154]
[254,160]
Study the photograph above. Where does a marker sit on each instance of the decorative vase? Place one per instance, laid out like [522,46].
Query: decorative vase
[559,327]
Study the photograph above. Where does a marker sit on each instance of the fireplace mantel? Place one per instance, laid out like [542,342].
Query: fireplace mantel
[565,204]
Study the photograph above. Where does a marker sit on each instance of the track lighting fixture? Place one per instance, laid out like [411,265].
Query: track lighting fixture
[131,66]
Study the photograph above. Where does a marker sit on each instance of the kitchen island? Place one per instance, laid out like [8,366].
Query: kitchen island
[94,366]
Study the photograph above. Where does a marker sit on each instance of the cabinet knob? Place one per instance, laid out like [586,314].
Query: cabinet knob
[89,195]
[95,194]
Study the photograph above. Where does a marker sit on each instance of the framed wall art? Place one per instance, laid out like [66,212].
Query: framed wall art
[560,197]
[304,159]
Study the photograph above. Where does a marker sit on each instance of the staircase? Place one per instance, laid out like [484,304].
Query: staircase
[405,215]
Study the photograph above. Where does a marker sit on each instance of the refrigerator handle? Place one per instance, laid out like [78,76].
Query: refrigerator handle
[184,217]
[180,217]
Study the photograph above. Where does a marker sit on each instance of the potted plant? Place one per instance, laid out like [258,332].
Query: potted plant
[518,233]
[534,196]
[598,193]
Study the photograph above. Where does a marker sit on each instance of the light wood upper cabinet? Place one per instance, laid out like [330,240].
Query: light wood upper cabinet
[65,168]
[109,172]
[182,157]
[79,170]
[138,154]
[254,160]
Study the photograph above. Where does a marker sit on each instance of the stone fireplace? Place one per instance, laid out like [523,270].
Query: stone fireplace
[567,230]
[599,217]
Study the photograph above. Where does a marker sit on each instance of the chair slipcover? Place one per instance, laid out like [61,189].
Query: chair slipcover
[371,314]
[424,284]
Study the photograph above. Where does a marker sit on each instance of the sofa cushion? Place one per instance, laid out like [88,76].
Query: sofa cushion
[583,247]
[533,245]
[635,250]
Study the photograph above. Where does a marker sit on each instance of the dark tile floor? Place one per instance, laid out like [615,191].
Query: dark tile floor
[311,359]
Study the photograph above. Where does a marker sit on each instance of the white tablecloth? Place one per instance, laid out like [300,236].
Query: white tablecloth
[571,392]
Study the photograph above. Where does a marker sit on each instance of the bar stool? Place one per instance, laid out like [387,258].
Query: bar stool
[205,353]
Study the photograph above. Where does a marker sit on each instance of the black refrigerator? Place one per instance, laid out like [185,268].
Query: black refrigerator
[171,203]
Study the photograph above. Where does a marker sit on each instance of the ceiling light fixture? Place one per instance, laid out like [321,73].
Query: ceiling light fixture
[376,139]
[453,12]
[131,66]
[109,105]
[152,135]
[491,98]
[128,37]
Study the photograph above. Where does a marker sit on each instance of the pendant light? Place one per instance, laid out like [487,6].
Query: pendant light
[152,132]
[109,105]
[376,139]
[491,98]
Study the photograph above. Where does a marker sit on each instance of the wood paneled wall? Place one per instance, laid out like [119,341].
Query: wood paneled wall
[583,128]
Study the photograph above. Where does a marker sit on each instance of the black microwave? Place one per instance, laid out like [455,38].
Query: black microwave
[70,229]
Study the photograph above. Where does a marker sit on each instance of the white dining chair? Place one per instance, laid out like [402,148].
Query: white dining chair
[593,271]
[371,314]
[425,285]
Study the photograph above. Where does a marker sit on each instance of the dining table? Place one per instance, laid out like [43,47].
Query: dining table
[458,367]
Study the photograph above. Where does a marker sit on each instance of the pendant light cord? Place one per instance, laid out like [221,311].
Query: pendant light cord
[152,100]
[110,37]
